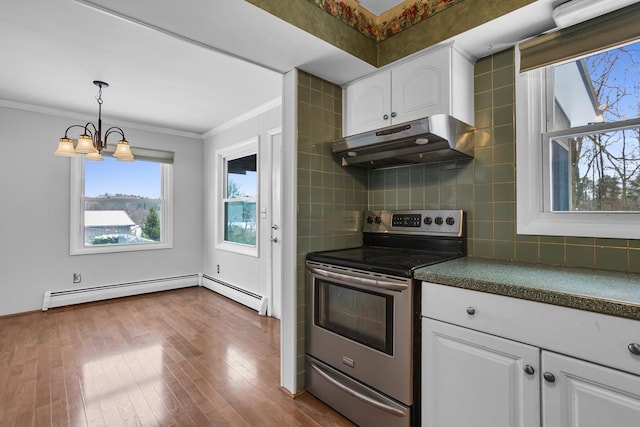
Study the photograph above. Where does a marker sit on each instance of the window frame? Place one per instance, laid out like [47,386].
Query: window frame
[77,246]
[534,216]
[236,151]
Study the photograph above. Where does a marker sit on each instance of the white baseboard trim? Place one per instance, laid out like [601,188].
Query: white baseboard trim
[243,297]
[97,293]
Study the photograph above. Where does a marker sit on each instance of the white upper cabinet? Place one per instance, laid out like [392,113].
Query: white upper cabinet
[440,81]
[367,103]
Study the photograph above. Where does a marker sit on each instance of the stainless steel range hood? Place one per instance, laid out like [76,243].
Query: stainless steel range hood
[432,139]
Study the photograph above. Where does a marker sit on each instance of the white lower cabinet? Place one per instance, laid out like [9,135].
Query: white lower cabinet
[474,379]
[576,393]
[495,361]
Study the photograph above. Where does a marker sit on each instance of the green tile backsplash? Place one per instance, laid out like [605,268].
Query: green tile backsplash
[331,198]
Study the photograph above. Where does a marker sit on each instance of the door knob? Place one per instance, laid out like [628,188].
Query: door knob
[549,377]
[274,239]
[274,226]
[529,370]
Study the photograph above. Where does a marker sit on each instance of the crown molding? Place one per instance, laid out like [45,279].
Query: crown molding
[244,117]
[86,117]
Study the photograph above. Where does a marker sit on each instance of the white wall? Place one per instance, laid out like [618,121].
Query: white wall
[244,271]
[34,214]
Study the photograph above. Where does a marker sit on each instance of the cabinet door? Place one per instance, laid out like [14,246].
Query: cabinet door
[422,87]
[588,395]
[367,103]
[474,379]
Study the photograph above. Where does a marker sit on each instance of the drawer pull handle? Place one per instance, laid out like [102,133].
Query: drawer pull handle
[471,311]
[634,348]
[529,370]
[549,377]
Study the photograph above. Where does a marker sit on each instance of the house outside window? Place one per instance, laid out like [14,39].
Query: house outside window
[121,206]
[578,142]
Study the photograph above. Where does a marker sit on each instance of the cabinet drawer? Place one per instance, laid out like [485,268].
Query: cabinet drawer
[586,335]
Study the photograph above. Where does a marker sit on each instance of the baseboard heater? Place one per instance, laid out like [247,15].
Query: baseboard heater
[244,297]
[96,293]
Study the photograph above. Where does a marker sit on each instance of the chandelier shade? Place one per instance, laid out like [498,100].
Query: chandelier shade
[91,142]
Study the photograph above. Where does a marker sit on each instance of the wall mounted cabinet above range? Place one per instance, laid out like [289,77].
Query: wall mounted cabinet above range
[438,82]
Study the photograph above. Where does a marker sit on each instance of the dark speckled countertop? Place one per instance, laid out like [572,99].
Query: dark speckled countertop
[617,294]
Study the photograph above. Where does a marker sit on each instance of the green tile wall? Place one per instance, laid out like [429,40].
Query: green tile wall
[331,198]
[485,187]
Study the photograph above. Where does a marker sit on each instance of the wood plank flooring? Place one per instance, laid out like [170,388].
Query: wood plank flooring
[187,357]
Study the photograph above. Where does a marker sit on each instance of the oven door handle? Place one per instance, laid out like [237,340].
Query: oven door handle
[363,281]
[367,399]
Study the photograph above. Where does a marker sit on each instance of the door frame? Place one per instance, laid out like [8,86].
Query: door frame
[274,276]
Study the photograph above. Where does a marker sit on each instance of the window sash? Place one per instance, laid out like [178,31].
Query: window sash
[547,137]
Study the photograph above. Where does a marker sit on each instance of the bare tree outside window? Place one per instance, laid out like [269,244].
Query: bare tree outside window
[601,168]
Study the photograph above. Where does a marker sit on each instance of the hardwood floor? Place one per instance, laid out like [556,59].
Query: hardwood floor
[188,357]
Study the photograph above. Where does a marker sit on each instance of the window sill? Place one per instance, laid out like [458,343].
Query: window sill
[105,249]
[238,248]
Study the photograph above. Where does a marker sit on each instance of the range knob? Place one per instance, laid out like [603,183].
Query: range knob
[450,220]
[438,220]
[428,220]
[369,220]
[378,220]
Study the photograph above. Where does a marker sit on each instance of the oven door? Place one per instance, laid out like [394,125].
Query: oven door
[360,323]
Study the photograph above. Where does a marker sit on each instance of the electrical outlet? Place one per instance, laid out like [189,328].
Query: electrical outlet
[77,278]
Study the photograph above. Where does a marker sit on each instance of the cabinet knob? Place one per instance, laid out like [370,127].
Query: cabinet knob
[529,370]
[471,311]
[549,377]
[393,114]
[385,117]
[634,348]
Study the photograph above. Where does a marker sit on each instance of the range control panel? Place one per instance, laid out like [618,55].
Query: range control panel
[428,222]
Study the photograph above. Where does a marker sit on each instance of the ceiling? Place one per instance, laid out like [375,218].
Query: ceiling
[187,66]
[378,7]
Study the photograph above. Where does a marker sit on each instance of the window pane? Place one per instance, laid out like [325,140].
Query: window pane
[122,203]
[597,172]
[242,177]
[111,178]
[240,222]
[599,88]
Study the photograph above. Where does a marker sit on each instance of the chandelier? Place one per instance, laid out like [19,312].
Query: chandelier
[92,142]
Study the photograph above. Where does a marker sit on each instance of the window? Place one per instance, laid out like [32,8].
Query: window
[240,200]
[238,178]
[121,206]
[578,136]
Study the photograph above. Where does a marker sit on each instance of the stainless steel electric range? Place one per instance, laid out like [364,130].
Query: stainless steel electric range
[363,315]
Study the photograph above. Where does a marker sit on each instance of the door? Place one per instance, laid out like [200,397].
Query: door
[368,103]
[421,87]
[474,379]
[576,393]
